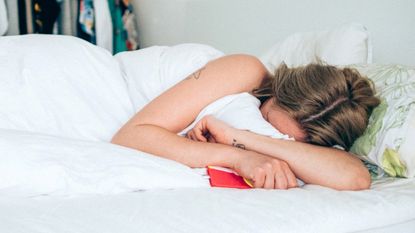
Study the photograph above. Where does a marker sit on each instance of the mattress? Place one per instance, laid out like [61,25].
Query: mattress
[389,204]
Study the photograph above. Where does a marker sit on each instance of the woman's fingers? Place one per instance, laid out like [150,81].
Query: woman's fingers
[211,139]
[274,175]
[269,177]
[198,133]
[291,179]
[191,135]
[281,180]
[199,130]
[259,178]
[188,135]
[279,175]
[265,172]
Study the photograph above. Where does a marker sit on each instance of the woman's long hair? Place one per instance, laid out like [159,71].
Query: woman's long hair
[330,104]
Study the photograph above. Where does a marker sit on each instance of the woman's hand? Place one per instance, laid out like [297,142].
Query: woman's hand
[264,171]
[210,129]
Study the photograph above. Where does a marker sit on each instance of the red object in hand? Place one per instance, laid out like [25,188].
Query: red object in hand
[223,177]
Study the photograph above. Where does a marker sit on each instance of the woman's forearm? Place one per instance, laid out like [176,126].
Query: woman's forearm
[313,164]
[249,164]
[159,141]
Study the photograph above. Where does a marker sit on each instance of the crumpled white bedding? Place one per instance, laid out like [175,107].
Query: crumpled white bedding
[33,164]
[61,86]
[62,99]
[305,210]
[69,180]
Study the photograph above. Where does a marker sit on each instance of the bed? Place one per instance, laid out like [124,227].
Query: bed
[59,173]
[388,207]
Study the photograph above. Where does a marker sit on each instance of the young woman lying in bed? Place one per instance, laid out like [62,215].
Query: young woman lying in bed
[319,106]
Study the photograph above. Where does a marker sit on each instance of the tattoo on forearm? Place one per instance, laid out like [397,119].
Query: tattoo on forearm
[238,145]
[196,74]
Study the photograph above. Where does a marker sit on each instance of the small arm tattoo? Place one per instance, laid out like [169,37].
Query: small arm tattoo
[196,74]
[238,145]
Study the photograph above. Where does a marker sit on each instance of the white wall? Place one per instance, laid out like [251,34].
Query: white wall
[252,26]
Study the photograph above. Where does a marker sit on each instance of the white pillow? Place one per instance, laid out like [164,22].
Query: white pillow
[37,164]
[345,45]
[240,111]
[61,85]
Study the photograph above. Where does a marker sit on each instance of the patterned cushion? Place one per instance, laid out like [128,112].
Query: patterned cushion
[389,139]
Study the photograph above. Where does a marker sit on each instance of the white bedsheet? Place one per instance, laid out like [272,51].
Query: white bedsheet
[310,209]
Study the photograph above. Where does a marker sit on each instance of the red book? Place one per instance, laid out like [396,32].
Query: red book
[223,177]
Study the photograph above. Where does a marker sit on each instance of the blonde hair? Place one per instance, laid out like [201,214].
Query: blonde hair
[330,104]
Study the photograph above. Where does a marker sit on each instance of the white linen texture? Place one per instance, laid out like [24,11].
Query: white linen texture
[37,164]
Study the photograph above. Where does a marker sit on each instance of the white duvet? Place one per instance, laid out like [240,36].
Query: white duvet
[61,101]
[35,164]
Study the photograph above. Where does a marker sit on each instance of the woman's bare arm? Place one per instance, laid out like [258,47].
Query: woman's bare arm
[154,128]
[313,164]
[249,164]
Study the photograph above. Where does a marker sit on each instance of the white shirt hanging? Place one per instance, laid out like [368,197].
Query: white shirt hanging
[103,25]
[4,23]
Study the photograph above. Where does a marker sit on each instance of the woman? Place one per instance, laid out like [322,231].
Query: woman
[317,104]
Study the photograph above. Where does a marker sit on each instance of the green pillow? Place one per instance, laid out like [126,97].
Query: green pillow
[389,140]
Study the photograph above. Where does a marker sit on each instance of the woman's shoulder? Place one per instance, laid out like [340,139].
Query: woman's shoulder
[247,70]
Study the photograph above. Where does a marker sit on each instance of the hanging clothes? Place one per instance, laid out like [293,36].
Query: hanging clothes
[124,29]
[4,23]
[117,25]
[29,16]
[37,16]
[95,24]
[107,23]
[130,26]
[12,7]
[45,14]
[103,25]
[69,18]
[86,28]
[21,4]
